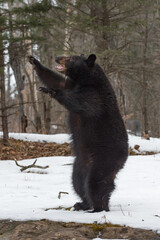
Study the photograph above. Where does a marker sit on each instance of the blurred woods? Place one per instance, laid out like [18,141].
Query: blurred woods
[125,36]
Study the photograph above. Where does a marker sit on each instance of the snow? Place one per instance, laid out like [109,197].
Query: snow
[145,145]
[34,196]
[152,145]
[32,137]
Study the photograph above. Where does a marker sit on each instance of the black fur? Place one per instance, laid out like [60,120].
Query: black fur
[50,78]
[99,136]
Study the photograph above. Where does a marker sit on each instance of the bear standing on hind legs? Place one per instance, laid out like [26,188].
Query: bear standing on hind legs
[99,136]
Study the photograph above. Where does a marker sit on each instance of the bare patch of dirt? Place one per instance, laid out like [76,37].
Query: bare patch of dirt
[47,230]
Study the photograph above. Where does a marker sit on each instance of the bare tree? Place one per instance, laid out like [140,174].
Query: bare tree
[144,79]
[3,93]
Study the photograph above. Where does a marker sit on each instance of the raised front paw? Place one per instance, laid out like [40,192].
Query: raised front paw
[43,89]
[32,60]
[51,92]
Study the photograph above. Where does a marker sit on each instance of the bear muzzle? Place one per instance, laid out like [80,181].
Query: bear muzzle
[61,60]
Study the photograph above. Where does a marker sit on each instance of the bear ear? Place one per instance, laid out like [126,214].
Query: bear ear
[91,60]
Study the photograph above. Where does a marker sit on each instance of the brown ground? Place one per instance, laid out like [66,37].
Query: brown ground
[47,230]
[18,150]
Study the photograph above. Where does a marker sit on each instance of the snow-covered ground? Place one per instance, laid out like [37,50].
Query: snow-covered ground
[31,137]
[33,196]
[145,145]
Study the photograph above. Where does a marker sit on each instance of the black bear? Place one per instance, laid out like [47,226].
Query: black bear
[99,136]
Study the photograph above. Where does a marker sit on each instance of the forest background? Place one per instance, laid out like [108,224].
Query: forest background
[125,36]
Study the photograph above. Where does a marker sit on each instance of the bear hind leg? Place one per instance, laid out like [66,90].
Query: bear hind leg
[99,190]
[79,187]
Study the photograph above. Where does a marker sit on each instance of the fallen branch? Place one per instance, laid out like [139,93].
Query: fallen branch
[30,166]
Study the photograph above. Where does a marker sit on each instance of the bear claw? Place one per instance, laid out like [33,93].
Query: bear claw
[31,59]
[51,92]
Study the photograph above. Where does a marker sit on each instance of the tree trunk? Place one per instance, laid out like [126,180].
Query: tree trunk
[144,81]
[37,118]
[3,96]
[15,63]
[47,115]
[47,55]
[121,95]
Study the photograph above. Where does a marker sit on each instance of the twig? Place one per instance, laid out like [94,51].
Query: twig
[59,195]
[30,166]
[122,210]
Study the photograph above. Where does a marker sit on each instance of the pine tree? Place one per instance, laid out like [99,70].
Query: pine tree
[19,30]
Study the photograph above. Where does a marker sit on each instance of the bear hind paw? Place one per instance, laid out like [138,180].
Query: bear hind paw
[81,206]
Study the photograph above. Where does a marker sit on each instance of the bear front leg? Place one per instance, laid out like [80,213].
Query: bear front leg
[50,78]
[79,101]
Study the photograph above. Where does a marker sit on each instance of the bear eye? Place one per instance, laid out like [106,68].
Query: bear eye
[70,59]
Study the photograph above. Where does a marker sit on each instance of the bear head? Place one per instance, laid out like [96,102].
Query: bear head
[80,69]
